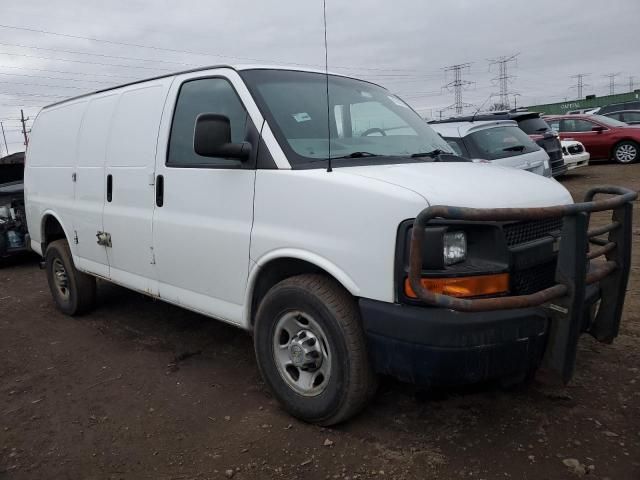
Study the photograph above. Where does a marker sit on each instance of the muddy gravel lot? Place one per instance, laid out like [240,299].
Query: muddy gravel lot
[142,389]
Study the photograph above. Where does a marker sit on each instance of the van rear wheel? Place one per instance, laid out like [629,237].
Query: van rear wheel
[74,292]
[311,349]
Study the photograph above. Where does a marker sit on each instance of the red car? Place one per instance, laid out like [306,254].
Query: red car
[603,137]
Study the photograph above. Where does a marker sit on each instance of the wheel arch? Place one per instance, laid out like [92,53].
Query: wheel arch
[51,228]
[277,266]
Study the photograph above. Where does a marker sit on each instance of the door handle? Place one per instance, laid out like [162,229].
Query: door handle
[159,190]
[109,188]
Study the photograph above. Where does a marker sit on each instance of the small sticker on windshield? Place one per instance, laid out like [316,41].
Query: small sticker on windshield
[366,94]
[302,117]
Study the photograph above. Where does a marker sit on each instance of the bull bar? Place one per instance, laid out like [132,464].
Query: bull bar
[575,271]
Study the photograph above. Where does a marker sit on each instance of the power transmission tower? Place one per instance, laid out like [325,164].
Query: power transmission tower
[24,127]
[457,85]
[580,82]
[503,79]
[612,82]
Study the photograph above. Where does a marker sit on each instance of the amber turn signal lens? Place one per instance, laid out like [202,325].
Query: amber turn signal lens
[476,286]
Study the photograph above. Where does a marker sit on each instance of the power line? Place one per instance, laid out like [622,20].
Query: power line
[24,94]
[64,79]
[41,85]
[580,82]
[458,84]
[74,52]
[503,78]
[612,82]
[193,52]
[85,62]
[70,73]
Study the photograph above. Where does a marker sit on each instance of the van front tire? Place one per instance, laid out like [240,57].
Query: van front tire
[311,349]
[74,292]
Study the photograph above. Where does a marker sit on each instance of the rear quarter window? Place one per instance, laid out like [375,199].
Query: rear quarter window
[500,142]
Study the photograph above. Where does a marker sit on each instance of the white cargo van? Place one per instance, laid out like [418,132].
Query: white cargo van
[211,189]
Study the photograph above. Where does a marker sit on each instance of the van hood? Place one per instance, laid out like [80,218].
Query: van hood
[467,184]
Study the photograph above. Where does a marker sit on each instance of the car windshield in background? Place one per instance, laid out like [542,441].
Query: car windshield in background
[533,126]
[365,120]
[610,122]
[501,142]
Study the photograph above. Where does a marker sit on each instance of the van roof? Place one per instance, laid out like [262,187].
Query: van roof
[237,67]
[462,129]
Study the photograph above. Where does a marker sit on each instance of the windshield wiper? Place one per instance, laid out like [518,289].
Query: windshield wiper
[433,154]
[359,155]
[515,148]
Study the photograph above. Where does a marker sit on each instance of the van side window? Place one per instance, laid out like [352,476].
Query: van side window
[206,95]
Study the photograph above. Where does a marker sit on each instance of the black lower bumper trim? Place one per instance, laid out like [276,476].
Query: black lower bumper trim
[436,346]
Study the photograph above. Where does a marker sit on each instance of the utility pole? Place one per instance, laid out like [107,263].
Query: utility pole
[503,78]
[458,84]
[580,83]
[515,100]
[24,127]
[631,78]
[612,82]
[6,147]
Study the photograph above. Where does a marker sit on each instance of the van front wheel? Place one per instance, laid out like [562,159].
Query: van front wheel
[311,349]
[74,292]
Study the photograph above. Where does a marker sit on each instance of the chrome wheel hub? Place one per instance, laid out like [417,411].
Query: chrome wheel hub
[626,153]
[60,278]
[301,353]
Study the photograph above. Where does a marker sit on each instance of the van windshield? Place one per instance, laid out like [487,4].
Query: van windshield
[365,120]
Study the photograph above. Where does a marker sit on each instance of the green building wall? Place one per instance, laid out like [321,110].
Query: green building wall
[564,107]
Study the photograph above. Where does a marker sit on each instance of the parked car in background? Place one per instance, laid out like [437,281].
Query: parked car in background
[574,154]
[499,141]
[13,220]
[630,117]
[616,107]
[530,123]
[603,137]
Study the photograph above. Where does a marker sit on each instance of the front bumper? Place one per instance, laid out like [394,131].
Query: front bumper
[589,268]
[437,346]
[576,161]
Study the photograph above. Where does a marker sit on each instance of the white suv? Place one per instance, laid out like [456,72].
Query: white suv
[212,189]
[498,141]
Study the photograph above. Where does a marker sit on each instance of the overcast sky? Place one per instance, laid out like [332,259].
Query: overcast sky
[402,44]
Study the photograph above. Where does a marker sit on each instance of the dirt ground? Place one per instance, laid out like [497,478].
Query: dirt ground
[142,389]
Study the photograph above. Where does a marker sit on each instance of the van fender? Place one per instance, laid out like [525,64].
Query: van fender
[40,241]
[324,264]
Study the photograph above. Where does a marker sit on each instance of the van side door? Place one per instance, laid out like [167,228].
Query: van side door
[90,184]
[204,206]
[130,165]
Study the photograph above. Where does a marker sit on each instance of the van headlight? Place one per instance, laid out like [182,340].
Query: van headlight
[454,247]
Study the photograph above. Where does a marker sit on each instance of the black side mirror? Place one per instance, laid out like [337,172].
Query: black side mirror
[598,128]
[212,138]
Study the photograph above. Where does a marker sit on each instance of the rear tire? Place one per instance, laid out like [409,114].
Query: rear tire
[74,292]
[626,152]
[311,349]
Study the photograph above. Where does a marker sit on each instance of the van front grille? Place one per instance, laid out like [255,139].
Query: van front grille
[534,279]
[524,232]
